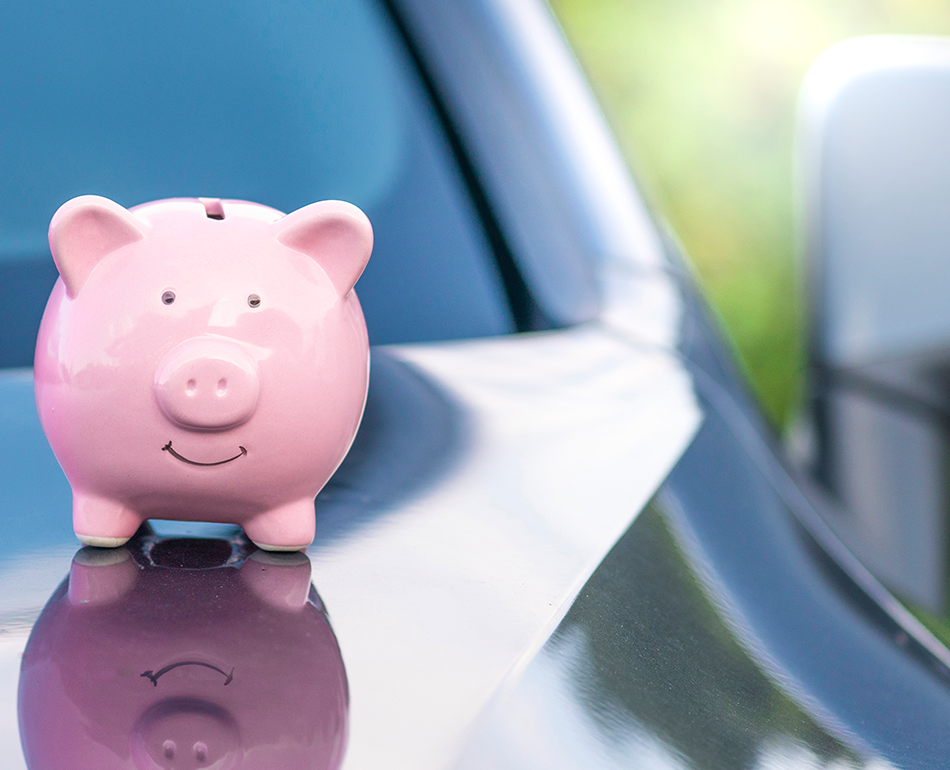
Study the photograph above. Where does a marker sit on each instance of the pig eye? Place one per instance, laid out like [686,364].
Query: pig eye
[254,300]
[168,297]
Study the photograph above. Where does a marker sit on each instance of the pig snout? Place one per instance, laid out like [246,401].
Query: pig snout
[186,734]
[207,384]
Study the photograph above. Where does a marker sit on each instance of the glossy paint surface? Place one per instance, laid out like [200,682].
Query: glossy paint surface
[728,628]
[520,461]
[464,520]
[182,654]
[201,360]
[719,634]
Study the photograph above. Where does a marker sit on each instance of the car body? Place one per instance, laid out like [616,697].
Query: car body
[563,536]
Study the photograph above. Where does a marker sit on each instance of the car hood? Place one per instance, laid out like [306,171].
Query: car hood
[488,481]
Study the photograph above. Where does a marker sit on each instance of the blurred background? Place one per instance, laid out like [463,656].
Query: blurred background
[701,95]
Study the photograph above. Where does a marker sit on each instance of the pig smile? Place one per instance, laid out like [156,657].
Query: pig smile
[173,453]
[155,676]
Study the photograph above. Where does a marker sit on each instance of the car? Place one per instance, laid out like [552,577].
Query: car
[564,536]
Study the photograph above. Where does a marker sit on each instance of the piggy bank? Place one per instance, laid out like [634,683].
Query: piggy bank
[183,654]
[202,360]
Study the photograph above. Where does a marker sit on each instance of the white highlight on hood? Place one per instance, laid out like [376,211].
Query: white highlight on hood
[439,606]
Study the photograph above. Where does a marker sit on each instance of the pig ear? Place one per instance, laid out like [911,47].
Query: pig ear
[84,231]
[336,235]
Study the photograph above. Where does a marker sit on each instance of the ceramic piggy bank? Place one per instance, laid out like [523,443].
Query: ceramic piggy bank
[180,655]
[202,360]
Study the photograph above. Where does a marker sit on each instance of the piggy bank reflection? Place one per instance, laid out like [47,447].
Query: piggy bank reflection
[183,653]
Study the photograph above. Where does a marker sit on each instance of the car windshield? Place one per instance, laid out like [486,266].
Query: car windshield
[282,103]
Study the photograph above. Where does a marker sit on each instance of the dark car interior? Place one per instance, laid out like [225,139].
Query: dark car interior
[205,105]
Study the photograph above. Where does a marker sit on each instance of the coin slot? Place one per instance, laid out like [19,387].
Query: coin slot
[214,209]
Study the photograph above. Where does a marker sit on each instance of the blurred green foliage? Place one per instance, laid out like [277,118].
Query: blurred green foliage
[701,95]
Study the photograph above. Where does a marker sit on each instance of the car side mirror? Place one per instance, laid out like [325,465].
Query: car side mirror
[874,163]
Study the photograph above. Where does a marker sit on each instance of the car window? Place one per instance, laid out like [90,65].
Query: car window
[278,102]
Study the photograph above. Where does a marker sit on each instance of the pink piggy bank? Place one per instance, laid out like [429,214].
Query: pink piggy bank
[202,360]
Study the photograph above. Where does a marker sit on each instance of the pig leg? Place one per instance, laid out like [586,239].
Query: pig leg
[287,528]
[103,523]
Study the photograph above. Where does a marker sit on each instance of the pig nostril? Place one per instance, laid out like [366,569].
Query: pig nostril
[222,386]
[191,387]
[168,749]
[201,752]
